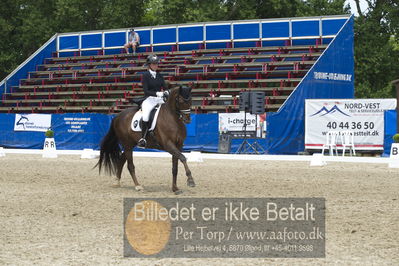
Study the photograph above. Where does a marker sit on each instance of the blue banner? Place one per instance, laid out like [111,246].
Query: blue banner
[76,131]
[71,132]
[80,131]
[390,130]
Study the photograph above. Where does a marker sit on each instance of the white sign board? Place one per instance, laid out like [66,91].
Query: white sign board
[364,117]
[394,156]
[235,122]
[32,122]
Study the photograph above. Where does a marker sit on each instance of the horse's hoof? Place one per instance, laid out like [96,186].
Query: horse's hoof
[139,188]
[116,184]
[178,192]
[190,183]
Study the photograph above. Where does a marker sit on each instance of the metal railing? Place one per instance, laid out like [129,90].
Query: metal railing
[204,40]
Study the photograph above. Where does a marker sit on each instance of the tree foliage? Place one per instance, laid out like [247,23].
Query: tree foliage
[25,25]
[376,53]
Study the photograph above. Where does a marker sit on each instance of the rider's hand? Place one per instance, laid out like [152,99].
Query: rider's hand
[159,93]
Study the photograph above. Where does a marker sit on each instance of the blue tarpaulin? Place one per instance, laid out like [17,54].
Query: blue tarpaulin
[286,128]
[207,133]
[390,130]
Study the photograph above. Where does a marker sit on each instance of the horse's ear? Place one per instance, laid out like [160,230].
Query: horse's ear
[186,88]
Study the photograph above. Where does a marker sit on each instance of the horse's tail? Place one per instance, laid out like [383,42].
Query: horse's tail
[110,153]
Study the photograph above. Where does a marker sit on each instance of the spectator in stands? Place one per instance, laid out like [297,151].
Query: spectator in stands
[153,83]
[134,41]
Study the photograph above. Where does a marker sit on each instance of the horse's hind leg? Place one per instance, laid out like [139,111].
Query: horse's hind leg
[118,177]
[131,168]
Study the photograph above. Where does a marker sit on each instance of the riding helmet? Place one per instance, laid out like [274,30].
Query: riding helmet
[152,59]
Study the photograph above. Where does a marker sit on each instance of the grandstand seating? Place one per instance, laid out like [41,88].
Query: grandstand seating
[107,83]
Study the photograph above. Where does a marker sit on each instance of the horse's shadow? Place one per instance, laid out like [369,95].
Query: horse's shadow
[150,189]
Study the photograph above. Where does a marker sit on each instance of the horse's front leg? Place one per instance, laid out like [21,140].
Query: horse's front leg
[172,149]
[175,166]
[190,179]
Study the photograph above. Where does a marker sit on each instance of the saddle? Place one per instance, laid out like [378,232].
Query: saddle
[138,101]
[137,121]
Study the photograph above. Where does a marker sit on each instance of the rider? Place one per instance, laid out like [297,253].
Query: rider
[152,83]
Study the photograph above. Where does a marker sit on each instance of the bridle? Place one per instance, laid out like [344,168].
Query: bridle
[182,112]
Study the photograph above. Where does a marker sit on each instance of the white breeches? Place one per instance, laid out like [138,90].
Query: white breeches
[148,105]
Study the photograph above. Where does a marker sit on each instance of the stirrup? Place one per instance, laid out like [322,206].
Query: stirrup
[142,143]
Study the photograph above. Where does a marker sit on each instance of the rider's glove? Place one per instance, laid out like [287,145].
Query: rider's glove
[159,93]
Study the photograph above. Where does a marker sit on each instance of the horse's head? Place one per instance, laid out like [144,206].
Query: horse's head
[181,96]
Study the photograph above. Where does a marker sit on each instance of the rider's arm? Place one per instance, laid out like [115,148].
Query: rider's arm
[163,84]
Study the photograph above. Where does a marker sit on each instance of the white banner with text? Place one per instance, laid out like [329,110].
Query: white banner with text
[32,122]
[364,117]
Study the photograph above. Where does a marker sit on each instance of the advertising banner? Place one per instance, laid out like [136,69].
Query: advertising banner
[233,124]
[80,131]
[32,122]
[77,131]
[363,117]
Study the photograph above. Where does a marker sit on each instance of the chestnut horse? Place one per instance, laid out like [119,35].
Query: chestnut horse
[168,135]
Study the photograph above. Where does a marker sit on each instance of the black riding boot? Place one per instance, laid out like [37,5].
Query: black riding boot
[144,130]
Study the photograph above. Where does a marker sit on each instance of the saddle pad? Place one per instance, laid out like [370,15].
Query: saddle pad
[139,115]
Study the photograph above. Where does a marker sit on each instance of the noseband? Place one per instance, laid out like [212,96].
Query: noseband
[179,112]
